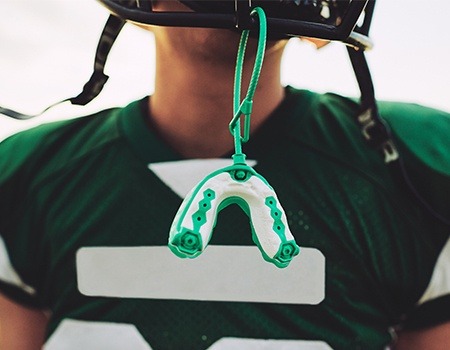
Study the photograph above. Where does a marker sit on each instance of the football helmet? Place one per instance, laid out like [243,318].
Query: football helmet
[324,19]
[346,21]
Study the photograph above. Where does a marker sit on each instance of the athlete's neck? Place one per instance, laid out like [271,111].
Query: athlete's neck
[192,103]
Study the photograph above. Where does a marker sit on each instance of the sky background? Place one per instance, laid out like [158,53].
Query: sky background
[47,48]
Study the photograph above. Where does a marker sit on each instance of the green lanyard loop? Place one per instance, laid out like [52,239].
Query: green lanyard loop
[245,107]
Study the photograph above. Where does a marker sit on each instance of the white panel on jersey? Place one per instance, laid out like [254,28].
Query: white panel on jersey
[268,344]
[221,273]
[181,176]
[440,280]
[7,272]
[87,335]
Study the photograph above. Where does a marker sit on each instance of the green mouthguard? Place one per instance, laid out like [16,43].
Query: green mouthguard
[238,184]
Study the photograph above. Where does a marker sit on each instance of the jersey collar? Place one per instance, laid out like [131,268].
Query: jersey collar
[147,144]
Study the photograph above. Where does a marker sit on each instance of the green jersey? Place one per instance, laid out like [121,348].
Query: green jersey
[97,195]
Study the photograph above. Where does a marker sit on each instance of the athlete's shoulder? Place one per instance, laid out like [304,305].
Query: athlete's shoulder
[326,125]
[53,145]
[420,131]
[326,115]
[422,137]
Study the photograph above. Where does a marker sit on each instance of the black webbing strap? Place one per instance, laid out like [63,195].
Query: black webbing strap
[98,78]
[377,132]
[373,127]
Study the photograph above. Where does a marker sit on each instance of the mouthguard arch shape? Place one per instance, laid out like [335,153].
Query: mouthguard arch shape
[238,184]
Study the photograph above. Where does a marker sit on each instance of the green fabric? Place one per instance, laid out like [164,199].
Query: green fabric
[426,150]
[86,182]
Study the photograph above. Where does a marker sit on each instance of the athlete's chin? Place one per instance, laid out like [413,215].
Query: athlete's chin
[220,44]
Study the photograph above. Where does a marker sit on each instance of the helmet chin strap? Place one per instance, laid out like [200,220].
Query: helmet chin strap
[98,78]
[374,129]
[378,135]
[238,184]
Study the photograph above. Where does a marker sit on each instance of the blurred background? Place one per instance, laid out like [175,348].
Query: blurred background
[47,49]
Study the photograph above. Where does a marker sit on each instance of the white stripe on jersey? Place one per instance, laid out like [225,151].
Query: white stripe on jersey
[181,176]
[440,280]
[268,344]
[75,335]
[87,335]
[7,272]
[220,273]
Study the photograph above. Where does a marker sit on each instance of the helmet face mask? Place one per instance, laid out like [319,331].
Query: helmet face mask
[316,11]
[322,19]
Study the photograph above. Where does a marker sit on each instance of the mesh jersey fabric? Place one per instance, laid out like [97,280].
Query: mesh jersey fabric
[86,182]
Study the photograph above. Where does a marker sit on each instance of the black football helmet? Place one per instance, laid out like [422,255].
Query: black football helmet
[324,19]
[346,21]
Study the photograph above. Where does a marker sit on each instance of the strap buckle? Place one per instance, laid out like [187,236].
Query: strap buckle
[377,133]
